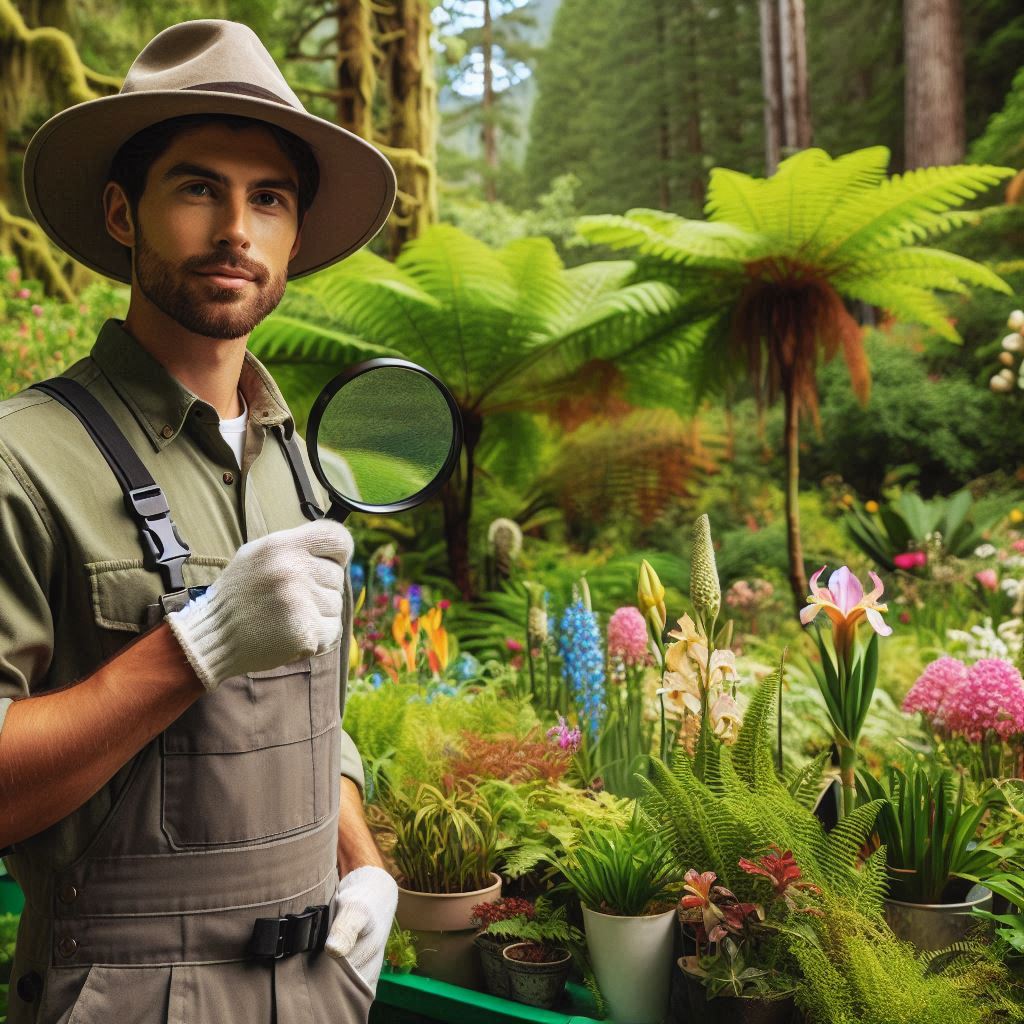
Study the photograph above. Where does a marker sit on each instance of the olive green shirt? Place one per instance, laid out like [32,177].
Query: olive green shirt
[72,580]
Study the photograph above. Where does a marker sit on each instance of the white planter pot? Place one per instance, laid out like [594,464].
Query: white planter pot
[632,958]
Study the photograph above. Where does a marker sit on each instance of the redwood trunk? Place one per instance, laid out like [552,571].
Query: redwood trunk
[934,97]
[787,110]
[489,139]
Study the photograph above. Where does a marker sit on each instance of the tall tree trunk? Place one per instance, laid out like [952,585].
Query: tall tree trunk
[934,98]
[488,131]
[457,502]
[405,28]
[354,68]
[694,135]
[787,109]
[797,579]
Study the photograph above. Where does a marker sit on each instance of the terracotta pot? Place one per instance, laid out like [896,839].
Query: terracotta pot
[632,958]
[690,1003]
[536,984]
[440,923]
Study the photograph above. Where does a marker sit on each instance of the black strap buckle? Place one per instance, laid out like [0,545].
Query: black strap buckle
[165,548]
[276,937]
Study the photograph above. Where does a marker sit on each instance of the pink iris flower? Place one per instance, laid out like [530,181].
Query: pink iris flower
[845,603]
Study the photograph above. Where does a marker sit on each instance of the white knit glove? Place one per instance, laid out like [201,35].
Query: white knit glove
[362,910]
[278,600]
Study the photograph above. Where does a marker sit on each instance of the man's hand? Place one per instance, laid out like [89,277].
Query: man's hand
[362,910]
[278,599]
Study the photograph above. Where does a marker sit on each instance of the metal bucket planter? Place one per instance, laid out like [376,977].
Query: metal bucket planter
[691,1004]
[536,984]
[632,958]
[493,963]
[937,925]
[443,932]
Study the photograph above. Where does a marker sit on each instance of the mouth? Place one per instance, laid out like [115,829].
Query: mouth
[227,277]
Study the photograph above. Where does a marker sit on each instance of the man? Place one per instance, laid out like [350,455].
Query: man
[175,816]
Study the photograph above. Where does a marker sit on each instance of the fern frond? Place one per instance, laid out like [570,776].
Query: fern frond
[804,784]
[846,841]
[751,753]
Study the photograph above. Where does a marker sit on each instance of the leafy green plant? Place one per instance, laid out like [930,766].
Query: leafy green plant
[906,524]
[400,952]
[766,276]
[442,842]
[930,832]
[1009,927]
[548,928]
[622,871]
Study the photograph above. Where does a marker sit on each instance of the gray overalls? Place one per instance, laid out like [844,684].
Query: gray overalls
[228,817]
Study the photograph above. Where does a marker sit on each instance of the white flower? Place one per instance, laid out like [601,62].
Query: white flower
[1015,321]
[1013,342]
[985,550]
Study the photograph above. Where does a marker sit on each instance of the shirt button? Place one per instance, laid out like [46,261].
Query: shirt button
[66,947]
[68,893]
[168,430]
[228,478]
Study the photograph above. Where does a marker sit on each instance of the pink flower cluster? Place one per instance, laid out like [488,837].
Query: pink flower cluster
[627,636]
[968,702]
[564,737]
[746,595]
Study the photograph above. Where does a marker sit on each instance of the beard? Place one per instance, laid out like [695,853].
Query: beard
[196,303]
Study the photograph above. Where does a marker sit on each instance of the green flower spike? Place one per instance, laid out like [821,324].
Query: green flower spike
[705,590]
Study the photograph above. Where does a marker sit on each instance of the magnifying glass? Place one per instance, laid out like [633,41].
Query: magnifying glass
[383,437]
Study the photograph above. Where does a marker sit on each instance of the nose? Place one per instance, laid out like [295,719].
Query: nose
[232,230]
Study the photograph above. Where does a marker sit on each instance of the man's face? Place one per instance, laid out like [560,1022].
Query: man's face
[216,228]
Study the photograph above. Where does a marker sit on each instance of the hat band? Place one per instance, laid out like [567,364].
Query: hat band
[241,89]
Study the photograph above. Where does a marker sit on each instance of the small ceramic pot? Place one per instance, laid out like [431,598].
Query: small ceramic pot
[536,984]
[493,963]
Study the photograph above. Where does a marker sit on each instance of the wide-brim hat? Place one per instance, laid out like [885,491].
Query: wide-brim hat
[200,67]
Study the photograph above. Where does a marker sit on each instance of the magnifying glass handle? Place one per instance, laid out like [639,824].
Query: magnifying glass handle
[338,512]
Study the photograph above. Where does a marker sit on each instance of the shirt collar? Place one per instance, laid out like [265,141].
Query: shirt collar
[161,403]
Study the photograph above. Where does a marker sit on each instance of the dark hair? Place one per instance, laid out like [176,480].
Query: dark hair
[132,161]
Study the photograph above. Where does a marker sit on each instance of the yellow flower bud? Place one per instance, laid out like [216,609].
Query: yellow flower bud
[871,507]
[353,657]
[1016,516]
[650,596]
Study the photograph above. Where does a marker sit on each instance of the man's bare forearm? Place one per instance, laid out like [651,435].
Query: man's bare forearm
[356,845]
[58,749]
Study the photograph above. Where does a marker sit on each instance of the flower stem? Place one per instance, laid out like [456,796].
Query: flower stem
[847,775]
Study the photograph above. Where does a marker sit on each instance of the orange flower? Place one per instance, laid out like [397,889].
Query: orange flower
[437,639]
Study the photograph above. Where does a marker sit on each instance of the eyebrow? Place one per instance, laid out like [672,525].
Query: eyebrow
[185,169]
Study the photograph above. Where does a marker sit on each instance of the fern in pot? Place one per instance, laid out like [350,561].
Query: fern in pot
[492,918]
[624,879]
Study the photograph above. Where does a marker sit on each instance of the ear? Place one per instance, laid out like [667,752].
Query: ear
[117,215]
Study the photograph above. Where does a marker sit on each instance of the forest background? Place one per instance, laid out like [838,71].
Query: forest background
[510,119]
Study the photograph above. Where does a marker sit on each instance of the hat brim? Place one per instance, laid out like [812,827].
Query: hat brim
[67,165]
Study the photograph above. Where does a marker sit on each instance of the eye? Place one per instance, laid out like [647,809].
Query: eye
[269,195]
[194,185]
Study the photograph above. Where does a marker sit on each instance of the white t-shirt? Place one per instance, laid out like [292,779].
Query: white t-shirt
[233,431]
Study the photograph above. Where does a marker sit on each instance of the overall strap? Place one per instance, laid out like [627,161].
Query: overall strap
[144,500]
[307,499]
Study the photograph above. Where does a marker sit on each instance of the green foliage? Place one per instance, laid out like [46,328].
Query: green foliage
[930,413]
[548,927]
[906,523]
[930,831]
[617,870]
[41,336]
[1003,139]
[400,952]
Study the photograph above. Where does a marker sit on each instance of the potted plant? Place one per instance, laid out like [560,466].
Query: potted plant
[491,939]
[623,878]
[400,952]
[445,845]
[936,862]
[738,972]
[538,966]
